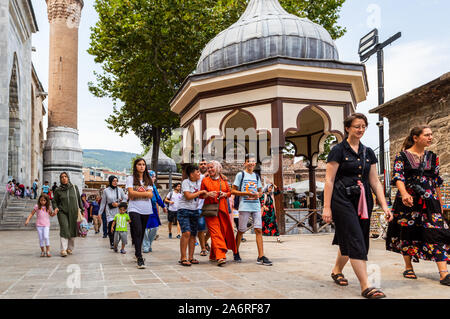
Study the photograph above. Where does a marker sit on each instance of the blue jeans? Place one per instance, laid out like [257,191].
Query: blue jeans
[201,221]
[149,237]
[188,220]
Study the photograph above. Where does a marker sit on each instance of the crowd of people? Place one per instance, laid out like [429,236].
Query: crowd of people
[18,190]
[207,206]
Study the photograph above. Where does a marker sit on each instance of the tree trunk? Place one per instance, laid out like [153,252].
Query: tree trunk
[156,138]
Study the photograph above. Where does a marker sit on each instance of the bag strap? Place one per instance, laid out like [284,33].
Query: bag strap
[220,188]
[422,164]
[364,159]
[75,191]
[242,181]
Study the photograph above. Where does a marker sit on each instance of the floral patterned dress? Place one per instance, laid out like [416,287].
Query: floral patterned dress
[269,220]
[419,231]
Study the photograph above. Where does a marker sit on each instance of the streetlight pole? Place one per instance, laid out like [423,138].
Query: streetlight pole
[380,63]
[368,45]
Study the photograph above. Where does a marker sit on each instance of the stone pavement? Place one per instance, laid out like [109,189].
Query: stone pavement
[302,265]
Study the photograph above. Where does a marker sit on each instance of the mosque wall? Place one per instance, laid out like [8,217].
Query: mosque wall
[16,27]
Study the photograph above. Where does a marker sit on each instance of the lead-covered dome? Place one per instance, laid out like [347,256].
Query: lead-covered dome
[266,30]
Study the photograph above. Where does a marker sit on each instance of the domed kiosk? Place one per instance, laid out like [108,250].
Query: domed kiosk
[167,169]
[276,78]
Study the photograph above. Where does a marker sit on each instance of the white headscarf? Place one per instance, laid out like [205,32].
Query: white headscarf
[218,168]
[266,188]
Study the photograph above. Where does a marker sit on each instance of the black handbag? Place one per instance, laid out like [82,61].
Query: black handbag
[212,210]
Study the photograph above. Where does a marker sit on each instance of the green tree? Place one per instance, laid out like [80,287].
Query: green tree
[148,47]
[327,147]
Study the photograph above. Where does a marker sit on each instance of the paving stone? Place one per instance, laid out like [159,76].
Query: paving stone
[124,295]
[301,269]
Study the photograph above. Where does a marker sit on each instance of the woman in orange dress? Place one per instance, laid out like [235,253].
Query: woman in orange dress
[220,226]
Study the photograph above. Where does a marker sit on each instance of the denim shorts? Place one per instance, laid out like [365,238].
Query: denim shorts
[201,222]
[188,220]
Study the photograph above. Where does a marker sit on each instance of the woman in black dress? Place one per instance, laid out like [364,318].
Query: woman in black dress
[351,175]
[419,229]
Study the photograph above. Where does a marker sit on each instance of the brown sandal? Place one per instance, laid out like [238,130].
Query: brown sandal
[184,263]
[194,261]
[221,262]
[409,274]
[339,279]
[370,292]
[203,253]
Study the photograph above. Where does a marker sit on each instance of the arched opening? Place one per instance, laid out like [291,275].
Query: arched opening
[239,136]
[312,139]
[306,137]
[14,123]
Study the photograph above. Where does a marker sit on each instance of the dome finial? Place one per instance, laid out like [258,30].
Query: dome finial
[257,8]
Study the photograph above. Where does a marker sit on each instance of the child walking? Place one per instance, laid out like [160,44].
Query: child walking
[43,213]
[188,215]
[121,233]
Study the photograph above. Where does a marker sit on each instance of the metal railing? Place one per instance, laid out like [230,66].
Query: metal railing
[302,221]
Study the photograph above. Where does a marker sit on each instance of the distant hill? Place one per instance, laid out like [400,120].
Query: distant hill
[117,161]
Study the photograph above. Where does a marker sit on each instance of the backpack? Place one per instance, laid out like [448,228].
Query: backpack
[237,198]
[169,198]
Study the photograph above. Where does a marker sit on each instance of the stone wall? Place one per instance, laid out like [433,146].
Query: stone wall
[5,74]
[16,27]
[437,115]
[431,106]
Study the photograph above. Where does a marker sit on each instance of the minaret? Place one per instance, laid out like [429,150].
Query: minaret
[62,150]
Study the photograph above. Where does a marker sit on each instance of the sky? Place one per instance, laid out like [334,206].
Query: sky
[421,55]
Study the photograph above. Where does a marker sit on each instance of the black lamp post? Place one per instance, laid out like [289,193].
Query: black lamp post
[368,45]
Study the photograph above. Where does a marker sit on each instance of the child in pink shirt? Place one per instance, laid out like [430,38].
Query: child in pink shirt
[43,213]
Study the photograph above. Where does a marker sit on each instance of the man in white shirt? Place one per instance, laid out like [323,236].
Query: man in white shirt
[247,185]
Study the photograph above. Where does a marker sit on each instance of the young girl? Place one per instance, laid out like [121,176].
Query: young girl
[43,213]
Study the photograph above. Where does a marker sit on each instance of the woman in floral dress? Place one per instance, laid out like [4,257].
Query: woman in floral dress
[269,219]
[418,229]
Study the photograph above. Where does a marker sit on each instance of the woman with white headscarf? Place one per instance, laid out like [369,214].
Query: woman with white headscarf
[220,227]
[268,214]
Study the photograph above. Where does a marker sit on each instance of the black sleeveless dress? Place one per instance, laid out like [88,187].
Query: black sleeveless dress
[419,231]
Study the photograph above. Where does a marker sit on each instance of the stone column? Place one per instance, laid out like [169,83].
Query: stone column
[313,199]
[62,151]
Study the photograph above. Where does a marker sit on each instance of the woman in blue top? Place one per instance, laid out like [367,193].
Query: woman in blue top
[153,221]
